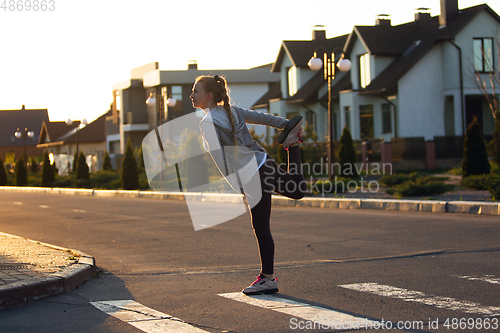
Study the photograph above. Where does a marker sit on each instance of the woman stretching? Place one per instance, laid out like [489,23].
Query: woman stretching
[236,153]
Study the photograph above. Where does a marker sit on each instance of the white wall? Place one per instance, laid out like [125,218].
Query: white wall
[421,100]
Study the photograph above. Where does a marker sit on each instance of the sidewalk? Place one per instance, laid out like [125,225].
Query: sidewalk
[31,270]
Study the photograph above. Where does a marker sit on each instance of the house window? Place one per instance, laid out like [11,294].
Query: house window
[347,110]
[292,81]
[175,111]
[364,70]
[386,118]
[366,121]
[483,55]
[311,119]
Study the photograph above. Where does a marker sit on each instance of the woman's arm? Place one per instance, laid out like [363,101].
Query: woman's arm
[261,118]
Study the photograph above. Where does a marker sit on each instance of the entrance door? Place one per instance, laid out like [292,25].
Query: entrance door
[474,108]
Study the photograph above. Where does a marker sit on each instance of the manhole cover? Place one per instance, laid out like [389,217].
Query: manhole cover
[15,266]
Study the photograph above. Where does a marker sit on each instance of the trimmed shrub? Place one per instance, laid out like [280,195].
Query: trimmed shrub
[347,155]
[490,183]
[107,162]
[195,169]
[417,188]
[494,186]
[33,165]
[21,173]
[3,174]
[48,175]
[130,173]
[82,170]
[475,156]
[494,145]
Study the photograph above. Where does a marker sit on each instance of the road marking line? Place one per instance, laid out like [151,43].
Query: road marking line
[485,278]
[44,206]
[303,310]
[18,203]
[79,210]
[144,318]
[419,297]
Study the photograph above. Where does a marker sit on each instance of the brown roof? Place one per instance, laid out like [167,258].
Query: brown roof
[11,120]
[58,132]
[53,130]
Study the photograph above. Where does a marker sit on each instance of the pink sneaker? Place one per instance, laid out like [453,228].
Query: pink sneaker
[262,286]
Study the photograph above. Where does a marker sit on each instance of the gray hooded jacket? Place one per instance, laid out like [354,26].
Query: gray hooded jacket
[246,158]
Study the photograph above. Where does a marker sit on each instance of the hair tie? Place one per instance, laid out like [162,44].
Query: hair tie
[217,78]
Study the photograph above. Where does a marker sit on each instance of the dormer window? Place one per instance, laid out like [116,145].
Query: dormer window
[364,70]
[483,55]
[292,81]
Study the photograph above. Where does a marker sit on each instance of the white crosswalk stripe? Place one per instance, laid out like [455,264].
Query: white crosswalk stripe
[313,314]
[144,318]
[419,297]
[485,278]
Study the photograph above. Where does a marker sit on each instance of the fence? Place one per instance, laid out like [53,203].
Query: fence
[448,147]
[404,149]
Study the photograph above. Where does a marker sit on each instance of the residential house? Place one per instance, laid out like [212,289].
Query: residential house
[63,141]
[132,119]
[11,121]
[408,80]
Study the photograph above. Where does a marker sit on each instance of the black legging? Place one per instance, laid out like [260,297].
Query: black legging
[274,179]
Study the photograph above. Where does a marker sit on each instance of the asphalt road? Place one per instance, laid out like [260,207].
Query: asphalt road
[416,269]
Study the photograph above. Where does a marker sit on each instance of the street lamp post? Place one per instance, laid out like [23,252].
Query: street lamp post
[24,134]
[330,63]
[167,102]
[70,122]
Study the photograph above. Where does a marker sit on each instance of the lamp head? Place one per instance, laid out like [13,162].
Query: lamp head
[344,65]
[315,63]
[171,102]
[151,100]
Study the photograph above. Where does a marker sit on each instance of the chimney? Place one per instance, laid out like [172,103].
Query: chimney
[449,9]
[383,20]
[319,32]
[422,14]
[192,64]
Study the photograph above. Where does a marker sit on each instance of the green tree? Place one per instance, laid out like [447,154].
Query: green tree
[347,155]
[475,156]
[47,171]
[33,165]
[82,169]
[309,133]
[195,168]
[130,173]
[21,173]
[75,163]
[3,174]
[107,162]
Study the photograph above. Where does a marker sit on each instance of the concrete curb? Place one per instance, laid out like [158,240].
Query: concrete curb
[34,289]
[467,207]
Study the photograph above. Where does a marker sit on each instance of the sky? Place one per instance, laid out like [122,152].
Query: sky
[67,57]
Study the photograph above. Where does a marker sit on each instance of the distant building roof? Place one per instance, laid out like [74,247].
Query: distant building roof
[11,120]
[301,51]
[408,42]
[59,133]
[273,93]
